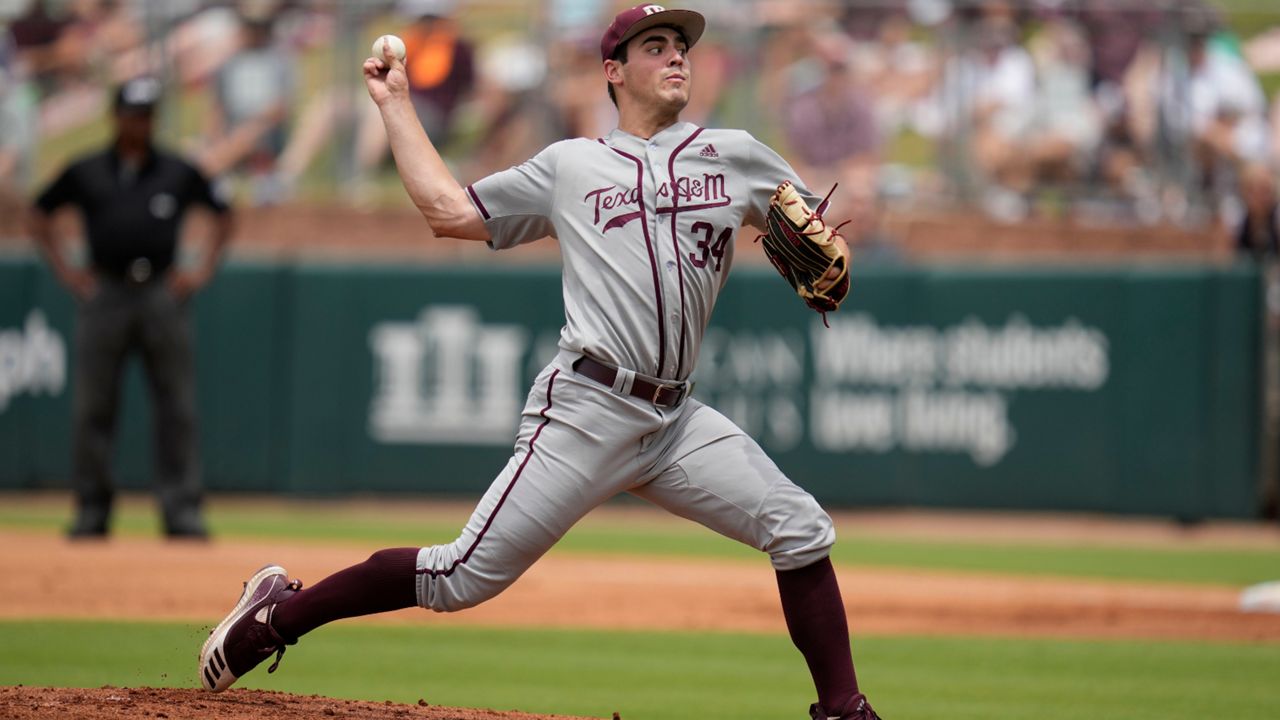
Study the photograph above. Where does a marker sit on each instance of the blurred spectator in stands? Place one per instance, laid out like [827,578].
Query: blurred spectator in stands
[1259,232]
[1138,135]
[1275,133]
[864,22]
[331,111]
[1263,50]
[780,48]
[784,60]
[897,72]
[830,119]
[38,38]
[440,63]
[54,48]
[988,94]
[833,140]
[1122,161]
[17,133]
[1115,33]
[1066,128]
[516,115]
[1263,53]
[1224,110]
[197,41]
[572,17]
[573,86]
[1123,62]
[106,31]
[253,96]
[714,74]
[73,44]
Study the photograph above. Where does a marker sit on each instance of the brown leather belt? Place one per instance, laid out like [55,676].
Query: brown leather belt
[659,394]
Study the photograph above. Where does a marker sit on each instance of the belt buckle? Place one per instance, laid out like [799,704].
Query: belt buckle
[657,390]
[683,389]
[139,270]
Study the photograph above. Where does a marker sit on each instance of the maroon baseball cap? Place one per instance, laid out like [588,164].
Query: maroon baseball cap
[630,23]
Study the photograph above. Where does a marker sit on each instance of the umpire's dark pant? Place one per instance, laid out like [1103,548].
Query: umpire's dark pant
[121,318]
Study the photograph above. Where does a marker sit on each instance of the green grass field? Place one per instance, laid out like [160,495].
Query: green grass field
[675,676]
[328,522]
[682,676]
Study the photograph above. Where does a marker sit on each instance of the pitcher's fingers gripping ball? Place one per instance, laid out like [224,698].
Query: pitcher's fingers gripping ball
[808,253]
[392,43]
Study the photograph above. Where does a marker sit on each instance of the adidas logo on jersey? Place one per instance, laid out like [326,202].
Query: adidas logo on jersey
[709,152]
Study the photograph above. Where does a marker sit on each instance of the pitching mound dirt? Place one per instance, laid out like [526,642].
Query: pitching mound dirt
[28,703]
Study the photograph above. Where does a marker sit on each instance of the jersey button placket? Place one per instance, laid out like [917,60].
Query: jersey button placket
[653,220]
[664,248]
[673,244]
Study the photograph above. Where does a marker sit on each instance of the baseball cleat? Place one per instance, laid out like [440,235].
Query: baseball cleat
[245,636]
[861,711]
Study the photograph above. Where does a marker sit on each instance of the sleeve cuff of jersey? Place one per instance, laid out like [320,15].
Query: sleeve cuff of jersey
[475,200]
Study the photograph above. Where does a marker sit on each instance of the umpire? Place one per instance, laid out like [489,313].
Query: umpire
[132,197]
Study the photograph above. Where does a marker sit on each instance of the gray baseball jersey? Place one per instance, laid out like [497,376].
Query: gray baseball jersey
[647,231]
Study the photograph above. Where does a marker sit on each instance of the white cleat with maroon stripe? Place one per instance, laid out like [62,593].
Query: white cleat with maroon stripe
[245,636]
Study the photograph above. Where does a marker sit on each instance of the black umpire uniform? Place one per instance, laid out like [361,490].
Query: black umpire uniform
[132,197]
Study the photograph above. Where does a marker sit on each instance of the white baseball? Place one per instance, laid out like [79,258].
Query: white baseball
[397,47]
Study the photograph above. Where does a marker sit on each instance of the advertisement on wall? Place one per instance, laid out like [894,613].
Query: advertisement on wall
[1112,390]
[33,360]
[448,377]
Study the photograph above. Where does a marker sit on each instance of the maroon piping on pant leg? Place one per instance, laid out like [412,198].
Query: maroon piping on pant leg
[479,205]
[653,262]
[675,245]
[510,486]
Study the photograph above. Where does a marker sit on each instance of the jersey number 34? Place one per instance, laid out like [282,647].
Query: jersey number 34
[709,248]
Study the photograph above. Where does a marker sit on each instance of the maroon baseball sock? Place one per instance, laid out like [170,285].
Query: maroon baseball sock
[386,581]
[815,616]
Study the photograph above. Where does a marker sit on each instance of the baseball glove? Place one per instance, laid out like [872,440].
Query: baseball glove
[803,248]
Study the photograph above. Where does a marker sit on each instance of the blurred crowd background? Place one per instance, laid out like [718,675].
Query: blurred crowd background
[1095,113]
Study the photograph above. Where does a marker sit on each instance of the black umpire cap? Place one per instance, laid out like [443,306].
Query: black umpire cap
[140,94]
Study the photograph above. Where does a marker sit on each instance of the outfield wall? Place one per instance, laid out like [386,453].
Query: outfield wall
[1120,389]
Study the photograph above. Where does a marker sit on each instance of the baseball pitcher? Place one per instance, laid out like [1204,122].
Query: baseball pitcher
[647,219]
